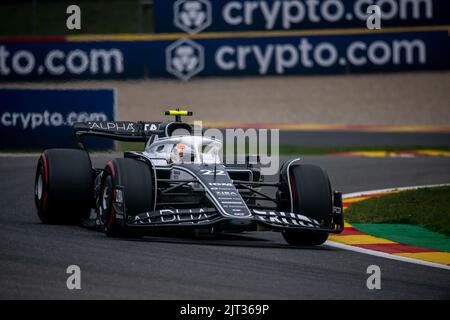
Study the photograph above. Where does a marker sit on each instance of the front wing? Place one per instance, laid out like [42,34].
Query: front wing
[201,217]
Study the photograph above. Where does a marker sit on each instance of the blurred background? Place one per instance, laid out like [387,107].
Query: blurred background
[48,17]
[313,69]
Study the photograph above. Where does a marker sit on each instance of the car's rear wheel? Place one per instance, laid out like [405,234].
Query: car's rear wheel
[63,186]
[135,178]
[312,197]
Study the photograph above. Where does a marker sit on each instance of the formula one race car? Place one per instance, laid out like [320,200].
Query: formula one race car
[179,183]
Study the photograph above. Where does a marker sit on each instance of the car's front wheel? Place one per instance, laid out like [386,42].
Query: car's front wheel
[136,180]
[304,237]
[311,193]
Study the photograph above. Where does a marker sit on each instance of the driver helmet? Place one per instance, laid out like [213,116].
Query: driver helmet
[182,153]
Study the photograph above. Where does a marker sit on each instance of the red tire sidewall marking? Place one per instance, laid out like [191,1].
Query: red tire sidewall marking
[110,165]
[112,215]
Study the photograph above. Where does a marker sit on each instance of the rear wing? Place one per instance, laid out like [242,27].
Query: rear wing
[125,130]
[116,130]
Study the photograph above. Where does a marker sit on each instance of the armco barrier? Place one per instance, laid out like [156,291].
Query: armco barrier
[257,53]
[193,16]
[41,118]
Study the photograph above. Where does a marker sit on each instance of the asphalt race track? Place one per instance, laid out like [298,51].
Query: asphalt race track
[34,257]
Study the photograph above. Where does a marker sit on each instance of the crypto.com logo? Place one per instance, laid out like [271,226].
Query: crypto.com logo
[185,58]
[192,16]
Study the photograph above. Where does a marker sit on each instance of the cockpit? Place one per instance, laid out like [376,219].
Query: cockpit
[184,149]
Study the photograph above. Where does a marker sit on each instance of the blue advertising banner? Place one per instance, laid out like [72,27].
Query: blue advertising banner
[194,16]
[297,53]
[41,118]
[301,55]
[72,60]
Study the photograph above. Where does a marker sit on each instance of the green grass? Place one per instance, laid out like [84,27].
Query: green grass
[407,234]
[296,150]
[97,16]
[299,150]
[428,207]
[130,146]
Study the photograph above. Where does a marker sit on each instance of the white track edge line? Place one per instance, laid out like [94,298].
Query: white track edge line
[368,193]
[385,255]
[380,253]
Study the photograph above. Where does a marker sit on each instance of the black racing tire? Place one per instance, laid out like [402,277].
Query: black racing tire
[136,179]
[312,197]
[63,189]
[304,237]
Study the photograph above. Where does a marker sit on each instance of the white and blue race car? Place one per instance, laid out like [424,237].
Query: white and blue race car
[179,182]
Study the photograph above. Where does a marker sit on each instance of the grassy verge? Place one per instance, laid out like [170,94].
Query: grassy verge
[428,207]
[97,16]
[295,150]
[300,150]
